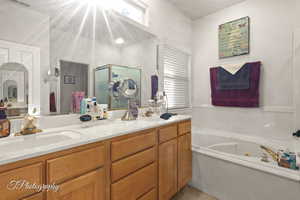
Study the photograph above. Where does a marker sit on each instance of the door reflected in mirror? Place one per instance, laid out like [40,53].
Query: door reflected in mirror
[10,90]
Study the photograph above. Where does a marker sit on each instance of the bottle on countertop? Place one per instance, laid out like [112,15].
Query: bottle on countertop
[4,124]
[104,109]
[100,112]
[1,103]
[95,111]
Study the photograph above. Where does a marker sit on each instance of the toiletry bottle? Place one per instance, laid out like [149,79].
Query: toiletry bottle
[100,112]
[1,103]
[4,128]
[89,106]
[95,111]
[4,124]
[292,160]
[82,107]
[88,109]
[105,111]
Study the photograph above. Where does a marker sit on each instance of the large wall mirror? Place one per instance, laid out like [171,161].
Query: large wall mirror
[76,39]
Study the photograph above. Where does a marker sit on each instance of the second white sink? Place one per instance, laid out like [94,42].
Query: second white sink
[23,143]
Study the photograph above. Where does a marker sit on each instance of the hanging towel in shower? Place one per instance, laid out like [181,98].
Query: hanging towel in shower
[52,102]
[154,86]
[239,97]
[238,81]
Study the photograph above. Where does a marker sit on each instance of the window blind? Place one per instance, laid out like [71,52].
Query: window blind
[176,77]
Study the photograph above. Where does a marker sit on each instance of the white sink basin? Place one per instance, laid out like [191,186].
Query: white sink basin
[23,143]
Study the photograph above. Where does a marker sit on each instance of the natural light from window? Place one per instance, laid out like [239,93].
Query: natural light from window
[127,8]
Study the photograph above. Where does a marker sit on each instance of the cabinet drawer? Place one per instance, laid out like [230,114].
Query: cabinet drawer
[152,195]
[128,165]
[9,189]
[134,186]
[126,147]
[167,133]
[65,167]
[184,127]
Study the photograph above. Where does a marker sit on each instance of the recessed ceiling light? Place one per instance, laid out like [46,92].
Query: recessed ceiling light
[119,41]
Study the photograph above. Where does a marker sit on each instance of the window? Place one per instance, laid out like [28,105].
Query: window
[176,77]
[133,10]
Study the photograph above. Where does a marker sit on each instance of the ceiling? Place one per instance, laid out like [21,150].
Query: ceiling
[199,8]
[103,26]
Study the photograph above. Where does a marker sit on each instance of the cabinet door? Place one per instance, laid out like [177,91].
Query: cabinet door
[35,197]
[184,160]
[90,186]
[167,169]
[10,190]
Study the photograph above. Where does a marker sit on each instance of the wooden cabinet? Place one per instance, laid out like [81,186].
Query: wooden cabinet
[148,165]
[167,169]
[131,164]
[185,127]
[135,185]
[39,196]
[167,133]
[90,186]
[134,166]
[126,147]
[175,158]
[75,164]
[184,160]
[11,181]
[152,195]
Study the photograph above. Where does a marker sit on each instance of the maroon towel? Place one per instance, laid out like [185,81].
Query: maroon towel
[237,98]
[52,102]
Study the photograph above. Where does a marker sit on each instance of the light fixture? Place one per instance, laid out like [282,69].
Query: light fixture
[119,41]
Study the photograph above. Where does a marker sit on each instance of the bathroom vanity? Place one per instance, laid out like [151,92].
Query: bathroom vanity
[146,160]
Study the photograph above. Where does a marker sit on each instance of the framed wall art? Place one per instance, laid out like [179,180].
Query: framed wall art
[234,38]
[69,79]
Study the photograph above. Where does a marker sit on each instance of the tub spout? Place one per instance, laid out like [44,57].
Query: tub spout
[274,155]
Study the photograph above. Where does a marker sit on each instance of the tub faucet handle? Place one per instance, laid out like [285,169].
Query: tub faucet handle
[297,134]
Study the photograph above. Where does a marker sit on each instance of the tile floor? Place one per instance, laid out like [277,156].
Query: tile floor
[189,193]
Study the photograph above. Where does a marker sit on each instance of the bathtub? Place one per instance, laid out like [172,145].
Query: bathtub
[229,167]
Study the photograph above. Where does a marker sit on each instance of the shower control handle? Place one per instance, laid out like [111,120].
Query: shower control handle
[297,134]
